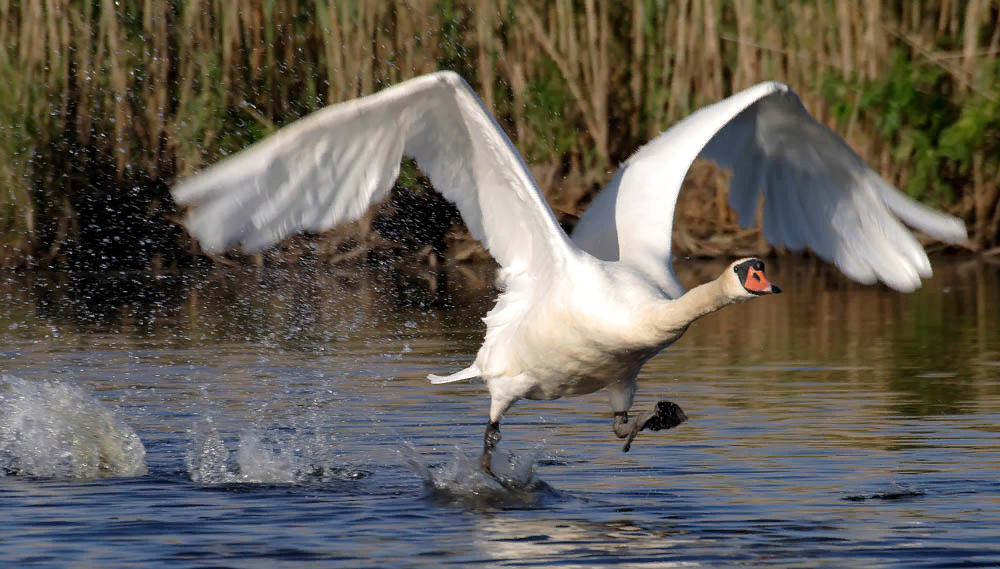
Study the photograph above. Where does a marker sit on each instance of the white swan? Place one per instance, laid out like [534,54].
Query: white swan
[574,316]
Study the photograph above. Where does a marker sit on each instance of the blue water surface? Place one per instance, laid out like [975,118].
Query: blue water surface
[282,418]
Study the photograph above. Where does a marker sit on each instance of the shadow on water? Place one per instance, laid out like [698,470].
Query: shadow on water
[894,492]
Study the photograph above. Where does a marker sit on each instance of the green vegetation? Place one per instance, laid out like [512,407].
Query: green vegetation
[103,105]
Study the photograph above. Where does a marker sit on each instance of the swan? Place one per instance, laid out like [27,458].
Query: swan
[578,314]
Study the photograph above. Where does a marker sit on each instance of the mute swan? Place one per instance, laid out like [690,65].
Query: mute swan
[579,315]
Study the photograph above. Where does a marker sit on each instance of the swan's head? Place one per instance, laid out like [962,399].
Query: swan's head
[745,279]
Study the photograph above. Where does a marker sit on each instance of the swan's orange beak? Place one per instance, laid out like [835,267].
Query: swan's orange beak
[757,283]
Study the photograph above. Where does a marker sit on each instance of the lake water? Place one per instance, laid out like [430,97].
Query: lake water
[282,418]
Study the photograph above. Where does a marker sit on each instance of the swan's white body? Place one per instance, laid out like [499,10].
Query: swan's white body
[575,316]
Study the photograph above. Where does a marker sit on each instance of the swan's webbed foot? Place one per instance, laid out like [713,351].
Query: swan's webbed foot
[490,441]
[666,415]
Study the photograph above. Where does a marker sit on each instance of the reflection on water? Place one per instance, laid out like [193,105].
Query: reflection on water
[531,541]
[265,417]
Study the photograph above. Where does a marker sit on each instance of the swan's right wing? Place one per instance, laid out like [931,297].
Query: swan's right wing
[815,192]
[818,193]
[330,167]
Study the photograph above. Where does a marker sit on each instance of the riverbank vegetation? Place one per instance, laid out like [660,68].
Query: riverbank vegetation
[104,104]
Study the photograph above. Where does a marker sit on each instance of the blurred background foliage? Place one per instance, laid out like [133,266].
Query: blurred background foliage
[105,103]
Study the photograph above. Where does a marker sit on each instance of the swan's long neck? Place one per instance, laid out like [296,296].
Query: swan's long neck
[674,316]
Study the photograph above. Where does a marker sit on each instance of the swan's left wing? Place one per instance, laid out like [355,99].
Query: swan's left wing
[331,166]
[816,193]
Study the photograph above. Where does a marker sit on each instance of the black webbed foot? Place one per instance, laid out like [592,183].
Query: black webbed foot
[666,415]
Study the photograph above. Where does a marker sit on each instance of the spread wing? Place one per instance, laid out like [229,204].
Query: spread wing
[331,166]
[816,193]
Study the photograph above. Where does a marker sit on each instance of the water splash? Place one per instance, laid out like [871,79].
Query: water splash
[461,480]
[264,456]
[50,429]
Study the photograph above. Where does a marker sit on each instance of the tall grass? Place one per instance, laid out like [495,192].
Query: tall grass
[113,100]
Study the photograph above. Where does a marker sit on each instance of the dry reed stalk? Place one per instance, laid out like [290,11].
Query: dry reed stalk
[680,70]
[484,37]
[638,50]
[974,12]
[585,73]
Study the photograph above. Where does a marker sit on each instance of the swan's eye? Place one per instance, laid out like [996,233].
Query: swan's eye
[736,270]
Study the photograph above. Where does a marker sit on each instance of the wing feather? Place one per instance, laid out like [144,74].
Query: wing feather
[817,193]
[330,167]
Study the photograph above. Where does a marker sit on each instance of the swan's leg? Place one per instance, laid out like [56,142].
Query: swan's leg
[490,441]
[620,395]
[620,426]
[665,415]
[502,399]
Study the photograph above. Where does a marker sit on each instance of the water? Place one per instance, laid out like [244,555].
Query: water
[281,418]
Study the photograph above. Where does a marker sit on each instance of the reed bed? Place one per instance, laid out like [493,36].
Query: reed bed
[107,102]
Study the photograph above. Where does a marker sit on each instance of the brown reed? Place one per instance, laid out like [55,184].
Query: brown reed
[163,88]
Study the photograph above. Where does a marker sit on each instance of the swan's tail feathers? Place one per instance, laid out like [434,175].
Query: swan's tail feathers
[467,373]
